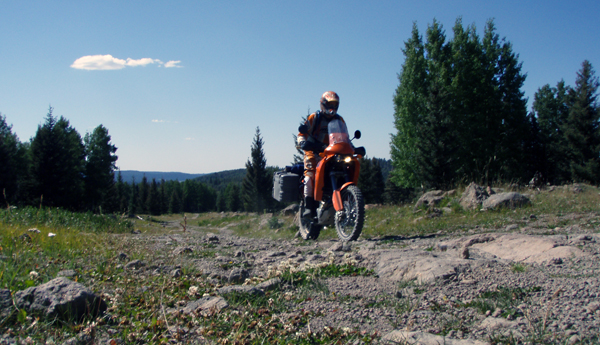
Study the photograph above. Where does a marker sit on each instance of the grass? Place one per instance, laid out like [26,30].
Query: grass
[143,308]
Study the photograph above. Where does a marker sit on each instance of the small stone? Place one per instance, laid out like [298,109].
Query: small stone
[465,253]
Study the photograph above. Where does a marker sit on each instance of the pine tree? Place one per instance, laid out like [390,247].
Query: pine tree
[175,202]
[257,184]
[164,205]
[408,109]
[123,191]
[514,124]
[153,201]
[377,181]
[436,142]
[551,109]
[99,168]
[11,162]
[57,163]
[190,196]
[582,128]
[141,206]
[233,199]
[133,198]
[459,110]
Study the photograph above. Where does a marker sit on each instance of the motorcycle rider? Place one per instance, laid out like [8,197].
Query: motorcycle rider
[314,142]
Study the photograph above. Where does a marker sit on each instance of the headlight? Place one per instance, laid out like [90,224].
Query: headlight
[343,158]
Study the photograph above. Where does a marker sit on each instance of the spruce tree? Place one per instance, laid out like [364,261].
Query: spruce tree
[175,202]
[142,201]
[460,113]
[57,163]
[232,197]
[582,128]
[408,109]
[99,168]
[436,142]
[551,108]
[257,184]
[153,201]
[11,163]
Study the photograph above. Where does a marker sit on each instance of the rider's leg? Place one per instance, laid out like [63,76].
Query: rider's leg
[309,183]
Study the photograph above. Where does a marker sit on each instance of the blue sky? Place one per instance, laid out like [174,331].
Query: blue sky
[182,85]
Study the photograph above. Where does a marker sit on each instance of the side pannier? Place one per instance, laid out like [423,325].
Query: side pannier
[286,186]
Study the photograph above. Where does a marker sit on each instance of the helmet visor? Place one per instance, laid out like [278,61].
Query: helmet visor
[331,105]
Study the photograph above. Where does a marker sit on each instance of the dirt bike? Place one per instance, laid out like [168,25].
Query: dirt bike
[340,201]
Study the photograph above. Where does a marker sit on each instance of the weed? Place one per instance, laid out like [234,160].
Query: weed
[518,267]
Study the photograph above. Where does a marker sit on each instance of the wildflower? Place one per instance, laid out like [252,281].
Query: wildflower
[51,234]
[193,290]
[33,275]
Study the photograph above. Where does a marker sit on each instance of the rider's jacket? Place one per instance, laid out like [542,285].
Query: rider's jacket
[317,126]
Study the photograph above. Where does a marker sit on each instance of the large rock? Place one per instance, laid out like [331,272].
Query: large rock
[430,199]
[206,305]
[290,210]
[510,200]
[424,268]
[525,248]
[61,298]
[473,197]
[422,338]
[6,305]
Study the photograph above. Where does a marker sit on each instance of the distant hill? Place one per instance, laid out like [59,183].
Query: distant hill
[128,175]
[220,180]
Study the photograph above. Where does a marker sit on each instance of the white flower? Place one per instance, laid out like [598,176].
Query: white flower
[50,234]
[193,290]
[33,275]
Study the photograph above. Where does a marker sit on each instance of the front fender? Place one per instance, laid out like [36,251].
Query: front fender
[337,197]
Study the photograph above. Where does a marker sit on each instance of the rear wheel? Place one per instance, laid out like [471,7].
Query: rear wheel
[308,230]
[349,222]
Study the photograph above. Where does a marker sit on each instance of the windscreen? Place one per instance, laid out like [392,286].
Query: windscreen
[338,132]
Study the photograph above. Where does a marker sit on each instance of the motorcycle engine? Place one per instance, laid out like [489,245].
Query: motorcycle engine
[325,214]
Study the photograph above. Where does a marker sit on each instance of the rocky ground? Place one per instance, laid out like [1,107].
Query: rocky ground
[518,284]
[490,286]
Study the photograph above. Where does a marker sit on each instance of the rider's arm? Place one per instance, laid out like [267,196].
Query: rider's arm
[301,138]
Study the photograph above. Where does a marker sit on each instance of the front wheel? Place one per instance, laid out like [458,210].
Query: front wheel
[349,222]
[308,230]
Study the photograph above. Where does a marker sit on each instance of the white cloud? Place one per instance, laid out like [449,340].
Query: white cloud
[158,121]
[108,62]
[172,63]
[190,139]
[98,62]
[142,62]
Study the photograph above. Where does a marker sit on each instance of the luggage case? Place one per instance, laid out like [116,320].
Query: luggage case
[286,186]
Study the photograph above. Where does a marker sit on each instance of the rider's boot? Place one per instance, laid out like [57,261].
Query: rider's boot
[309,207]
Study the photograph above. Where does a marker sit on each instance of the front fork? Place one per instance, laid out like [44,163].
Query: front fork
[337,192]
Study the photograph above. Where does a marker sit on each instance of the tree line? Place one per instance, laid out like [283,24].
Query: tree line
[460,116]
[60,168]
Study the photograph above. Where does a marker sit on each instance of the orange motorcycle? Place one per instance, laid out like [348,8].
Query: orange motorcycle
[340,202]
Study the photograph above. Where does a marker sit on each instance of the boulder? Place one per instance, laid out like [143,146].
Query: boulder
[424,268]
[6,305]
[473,197]
[422,338]
[61,298]
[430,199]
[290,210]
[526,248]
[205,305]
[238,276]
[510,200]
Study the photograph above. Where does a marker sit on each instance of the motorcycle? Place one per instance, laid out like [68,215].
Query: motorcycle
[340,201]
